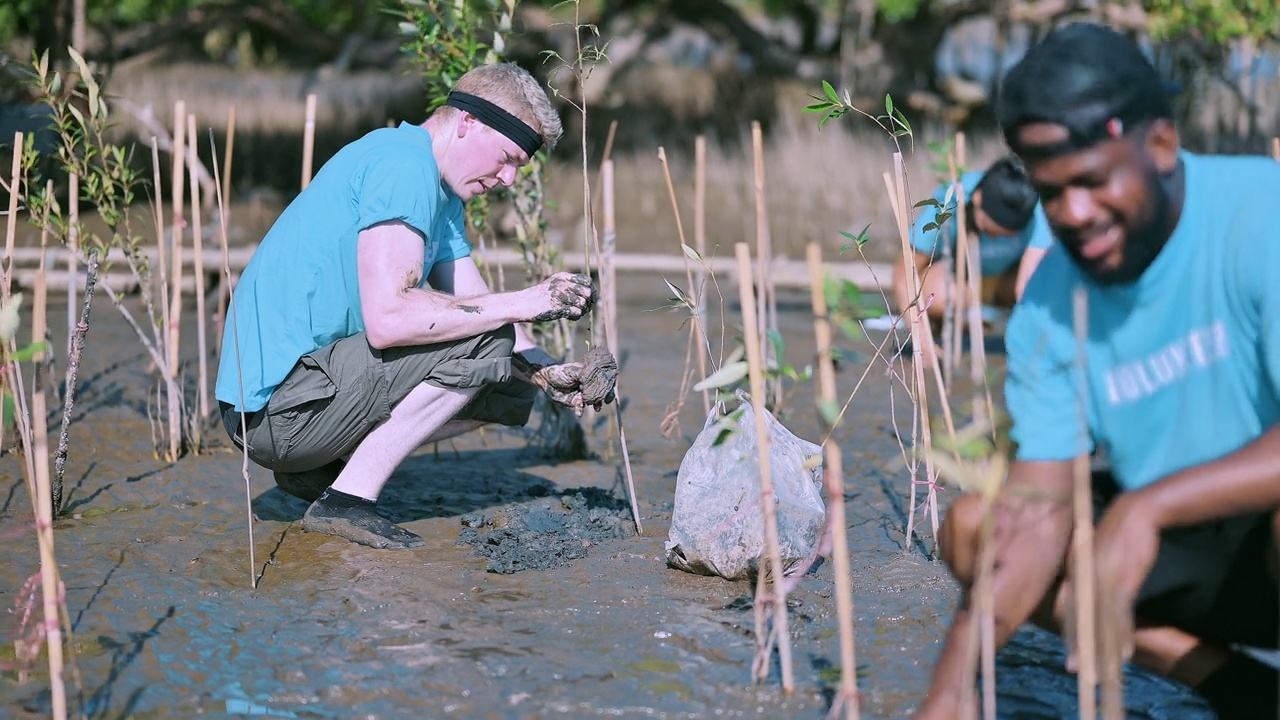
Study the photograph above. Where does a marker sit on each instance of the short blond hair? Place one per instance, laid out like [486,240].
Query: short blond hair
[512,88]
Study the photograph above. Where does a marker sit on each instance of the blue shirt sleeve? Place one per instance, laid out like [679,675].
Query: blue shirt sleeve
[390,186]
[1043,388]
[1041,235]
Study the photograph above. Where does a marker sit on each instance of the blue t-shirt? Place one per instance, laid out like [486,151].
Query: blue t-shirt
[1183,365]
[300,291]
[997,254]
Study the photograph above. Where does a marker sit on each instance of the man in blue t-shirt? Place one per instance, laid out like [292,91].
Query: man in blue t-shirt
[1004,222]
[1176,378]
[362,328]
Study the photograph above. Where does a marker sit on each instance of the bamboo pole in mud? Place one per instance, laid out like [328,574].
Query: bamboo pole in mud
[1275,148]
[175,295]
[231,309]
[698,330]
[50,583]
[755,371]
[11,224]
[608,249]
[768,310]
[700,232]
[961,260]
[197,243]
[1082,540]
[833,477]
[225,187]
[921,350]
[308,139]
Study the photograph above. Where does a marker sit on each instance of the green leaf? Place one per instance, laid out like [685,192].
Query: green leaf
[9,319]
[817,107]
[830,92]
[680,296]
[29,352]
[927,202]
[87,78]
[888,105]
[691,253]
[829,411]
[10,410]
[727,375]
[775,339]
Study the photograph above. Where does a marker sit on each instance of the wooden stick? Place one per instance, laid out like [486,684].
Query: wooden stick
[231,308]
[175,278]
[833,478]
[197,242]
[755,369]
[768,311]
[1275,148]
[11,225]
[50,584]
[308,139]
[697,328]
[1082,541]
[223,292]
[952,332]
[73,246]
[608,251]
[700,226]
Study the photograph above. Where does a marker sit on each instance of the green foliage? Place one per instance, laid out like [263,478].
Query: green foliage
[1218,21]
[444,39]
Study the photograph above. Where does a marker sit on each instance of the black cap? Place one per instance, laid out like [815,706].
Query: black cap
[1087,78]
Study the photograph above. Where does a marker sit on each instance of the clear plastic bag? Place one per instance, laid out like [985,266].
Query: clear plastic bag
[717,527]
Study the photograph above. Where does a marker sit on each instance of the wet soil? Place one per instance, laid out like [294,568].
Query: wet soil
[166,620]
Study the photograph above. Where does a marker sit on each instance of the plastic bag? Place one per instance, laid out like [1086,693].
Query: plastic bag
[717,527]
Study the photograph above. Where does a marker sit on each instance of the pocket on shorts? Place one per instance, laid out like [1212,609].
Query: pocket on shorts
[308,382]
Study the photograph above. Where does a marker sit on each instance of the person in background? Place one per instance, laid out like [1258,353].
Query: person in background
[362,329]
[1177,378]
[1005,220]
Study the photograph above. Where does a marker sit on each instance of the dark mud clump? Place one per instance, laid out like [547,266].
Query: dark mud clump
[599,375]
[547,532]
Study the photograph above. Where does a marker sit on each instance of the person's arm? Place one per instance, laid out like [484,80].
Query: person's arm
[462,277]
[1033,529]
[1031,258]
[397,312]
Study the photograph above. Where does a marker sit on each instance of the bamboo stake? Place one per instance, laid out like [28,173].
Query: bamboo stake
[308,139]
[175,296]
[1275,148]
[197,242]
[700,232]
[833,477]
[1082,541]
[962,248]
[11,225]
[768,310]
[609,249]
[755,367]
[223,292]
[231,308]
[50,584]
[952,331]
[698,330]
[921,349]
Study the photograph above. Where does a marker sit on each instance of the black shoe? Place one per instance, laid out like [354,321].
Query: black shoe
[357,520]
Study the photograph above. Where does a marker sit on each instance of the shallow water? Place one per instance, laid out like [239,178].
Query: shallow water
[165,623]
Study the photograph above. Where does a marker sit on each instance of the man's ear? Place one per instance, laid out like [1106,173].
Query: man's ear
[465,122]
[1162,145]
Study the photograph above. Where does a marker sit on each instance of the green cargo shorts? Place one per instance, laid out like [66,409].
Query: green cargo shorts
[334,396]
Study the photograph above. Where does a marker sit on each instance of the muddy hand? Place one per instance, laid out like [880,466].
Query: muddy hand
[563,384]
[563,295]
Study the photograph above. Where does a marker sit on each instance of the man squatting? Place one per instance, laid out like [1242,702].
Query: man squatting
[1179,385]
[362,327]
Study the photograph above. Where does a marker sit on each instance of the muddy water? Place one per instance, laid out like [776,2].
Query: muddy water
[165,622]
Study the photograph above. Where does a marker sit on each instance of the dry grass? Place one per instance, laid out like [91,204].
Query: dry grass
[818,182]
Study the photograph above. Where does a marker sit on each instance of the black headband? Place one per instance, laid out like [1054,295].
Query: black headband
[525,137]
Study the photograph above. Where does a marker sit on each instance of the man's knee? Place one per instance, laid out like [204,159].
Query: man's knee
[958,536]
[496,344]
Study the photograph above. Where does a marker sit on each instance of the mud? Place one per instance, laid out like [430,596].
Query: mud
[599,375]
[167,621]
[546,533]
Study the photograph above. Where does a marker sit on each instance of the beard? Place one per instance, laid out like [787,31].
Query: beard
[1144,236]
